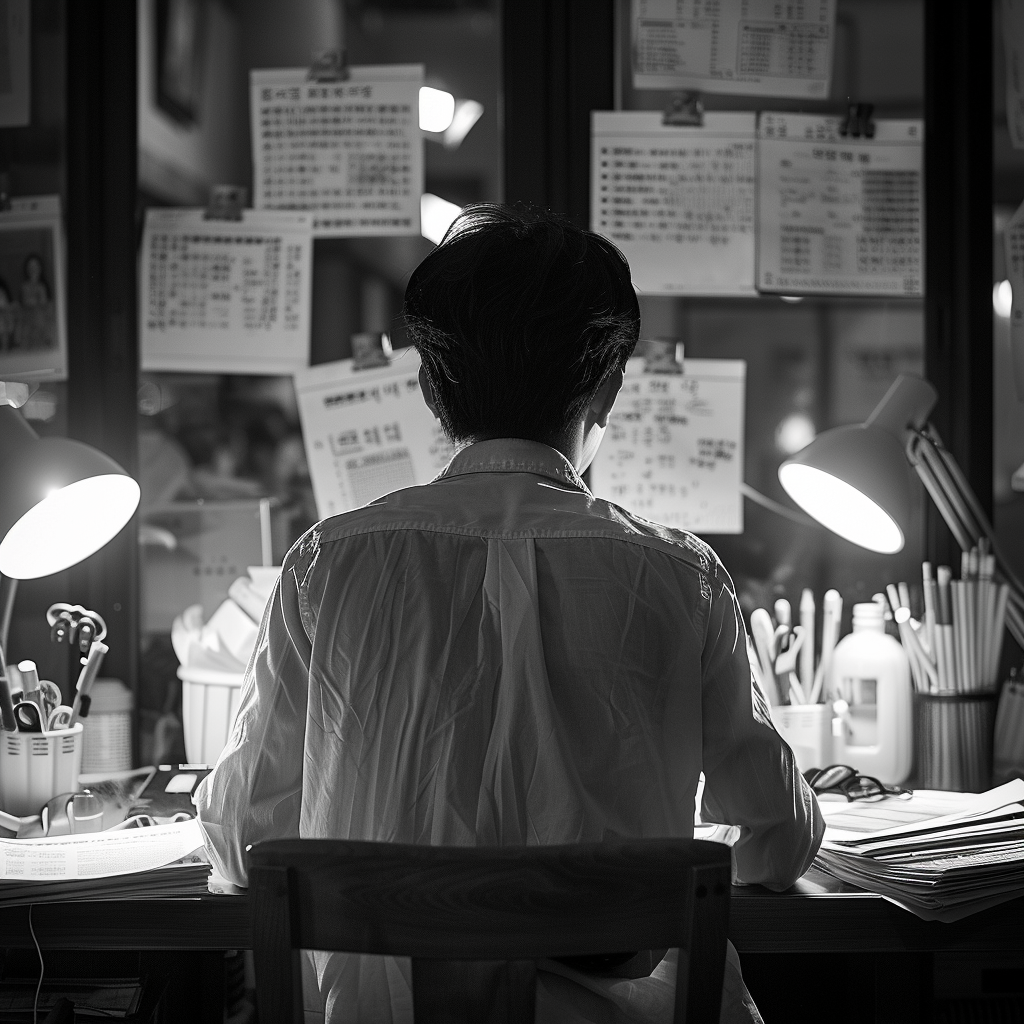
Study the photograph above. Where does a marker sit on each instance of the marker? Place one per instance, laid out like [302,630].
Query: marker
[807,651]
[80,706]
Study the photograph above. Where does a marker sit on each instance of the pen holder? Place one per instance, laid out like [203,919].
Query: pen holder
[807,728]
[953,741]
[37,766]
[209,703]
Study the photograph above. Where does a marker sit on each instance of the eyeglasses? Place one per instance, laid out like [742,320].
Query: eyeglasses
[841,778]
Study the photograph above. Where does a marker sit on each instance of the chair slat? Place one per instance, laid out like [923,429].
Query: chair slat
[483,991]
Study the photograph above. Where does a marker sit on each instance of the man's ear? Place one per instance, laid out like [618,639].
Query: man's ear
[428,392]
[601,404]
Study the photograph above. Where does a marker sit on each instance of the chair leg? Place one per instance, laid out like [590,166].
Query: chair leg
[702,965]
[481,991]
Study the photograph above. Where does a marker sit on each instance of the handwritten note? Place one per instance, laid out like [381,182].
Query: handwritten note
[351,151]
[367,432]
[225,296]
[839,215]
[1013,240]
[678,202]
[674,448]
[756,47]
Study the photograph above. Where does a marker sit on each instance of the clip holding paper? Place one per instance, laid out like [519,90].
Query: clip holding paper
[370,349]
[685,109]
[858,121]
[328,66]
[662,355]
[226,202]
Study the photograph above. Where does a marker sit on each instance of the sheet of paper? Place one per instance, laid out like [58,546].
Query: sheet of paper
[839,215]
[1013,240]
[351,151]
[1013,48]
[98,855]
[678,202]
[33,334]
[223,296]
[367,432]
[673,452]
[15,50]
[754,47]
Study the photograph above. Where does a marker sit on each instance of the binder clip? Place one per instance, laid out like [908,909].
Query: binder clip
[685,109]
[858,121]
[328,66]
[662,355]
[370,349]
[226,202]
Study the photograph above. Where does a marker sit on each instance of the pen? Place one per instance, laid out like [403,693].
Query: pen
[807,651]
[10,723]
[783,613]
[30,684]
[91,665]
[831,617]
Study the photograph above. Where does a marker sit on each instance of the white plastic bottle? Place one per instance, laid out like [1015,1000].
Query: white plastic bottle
[870,671]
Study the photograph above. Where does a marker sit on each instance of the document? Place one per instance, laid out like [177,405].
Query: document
[673,452]
[754,47]
[1013,240]
[1013,49]
[678,202]
[367,432]
[840,216]
[98,854]
[351,151]
[222,296]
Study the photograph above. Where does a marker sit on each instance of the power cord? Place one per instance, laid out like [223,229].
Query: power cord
[42,967]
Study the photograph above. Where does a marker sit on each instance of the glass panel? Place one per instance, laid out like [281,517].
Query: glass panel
[815,362]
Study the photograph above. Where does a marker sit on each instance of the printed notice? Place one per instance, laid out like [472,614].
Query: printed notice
[367,432]
[839,215]
[678,202]
[351,151]
[755,47]
[674,448]
[223,296]
[1013,239]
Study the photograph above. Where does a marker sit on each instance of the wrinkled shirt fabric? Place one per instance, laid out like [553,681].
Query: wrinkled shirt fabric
[500,658]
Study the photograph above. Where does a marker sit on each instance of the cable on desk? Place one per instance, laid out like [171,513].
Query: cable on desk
[42,966]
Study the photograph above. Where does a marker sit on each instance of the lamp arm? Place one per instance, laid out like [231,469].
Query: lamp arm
[8,591]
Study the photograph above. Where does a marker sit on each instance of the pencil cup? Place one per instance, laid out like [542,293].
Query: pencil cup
[807,728]
[953,741]
[209,703]
[37,766]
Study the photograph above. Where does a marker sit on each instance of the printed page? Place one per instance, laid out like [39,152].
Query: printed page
[678,202]
[754,47]
[673,452]
[222,296]
[351,151]
[99,854]
[367,432]
[33,334]
[839,216]
[1013,240]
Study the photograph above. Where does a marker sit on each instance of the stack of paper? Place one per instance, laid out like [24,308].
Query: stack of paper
[165,860]
[939,855]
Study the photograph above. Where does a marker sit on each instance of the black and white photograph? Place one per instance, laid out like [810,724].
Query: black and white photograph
[512,511]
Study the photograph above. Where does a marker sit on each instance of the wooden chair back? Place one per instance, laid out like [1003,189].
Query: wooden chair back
[475,920]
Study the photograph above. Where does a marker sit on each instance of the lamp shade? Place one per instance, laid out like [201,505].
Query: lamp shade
[60,500]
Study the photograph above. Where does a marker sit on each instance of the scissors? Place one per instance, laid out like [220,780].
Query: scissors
[29,717]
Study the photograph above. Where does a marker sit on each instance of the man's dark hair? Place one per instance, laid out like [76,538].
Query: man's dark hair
[519,317]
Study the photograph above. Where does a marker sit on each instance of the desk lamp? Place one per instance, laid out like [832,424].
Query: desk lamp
[60,501]
[856,481]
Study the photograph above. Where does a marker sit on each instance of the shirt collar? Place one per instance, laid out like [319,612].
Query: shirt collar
[514,455]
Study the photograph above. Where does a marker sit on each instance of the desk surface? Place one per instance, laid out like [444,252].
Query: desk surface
[818,914]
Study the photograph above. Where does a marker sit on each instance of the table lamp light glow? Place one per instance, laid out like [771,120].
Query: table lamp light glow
[60,500]
[856,479]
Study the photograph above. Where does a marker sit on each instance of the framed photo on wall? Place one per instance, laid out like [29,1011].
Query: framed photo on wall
[180,37]
[33,337]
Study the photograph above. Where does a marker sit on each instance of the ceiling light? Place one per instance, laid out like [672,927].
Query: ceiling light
[437,109]
[467,113]
[436,216]
[1002,299]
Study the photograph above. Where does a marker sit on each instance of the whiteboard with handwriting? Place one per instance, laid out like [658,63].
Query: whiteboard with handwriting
[673,452]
